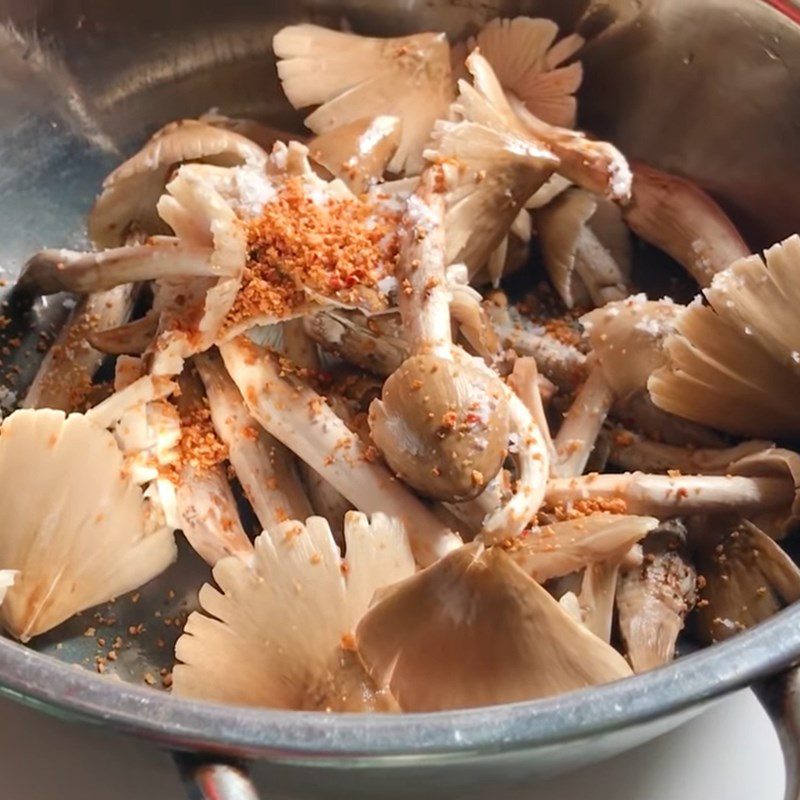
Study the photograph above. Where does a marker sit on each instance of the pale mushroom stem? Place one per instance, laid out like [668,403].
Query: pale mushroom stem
[601,274]
[143,390]
[576,438]
[262,464]
[514,516]
[525,380]
[424,297]
[663,496]
[65,375]
[299,417]
[468,313]
[51,271]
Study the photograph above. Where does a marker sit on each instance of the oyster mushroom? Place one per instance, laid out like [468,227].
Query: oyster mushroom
[633,452]
[596,166]
[442,421]
[130,338]
[130,193]
[262,464]
[490,171]
[78,537]
[747,577]
[265,136]
[735,363]
[679,218]
[586,248]
[654,599]
[562,548]
[51,271]
[488,618]
[351,77]
[299,417]
[528,63]
[205,504]
[279,634]
[359,151]
[64,378]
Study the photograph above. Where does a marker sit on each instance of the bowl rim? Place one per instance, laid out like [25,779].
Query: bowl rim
[59,688]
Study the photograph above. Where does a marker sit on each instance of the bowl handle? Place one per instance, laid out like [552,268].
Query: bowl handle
[780,696]
[206,779]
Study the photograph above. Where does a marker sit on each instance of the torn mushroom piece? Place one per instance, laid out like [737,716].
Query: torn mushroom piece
[442,420]
[596,166]
[735,364]
[351,77]
[64,378]
[280,634]
[679,218]
[489,170]
[488,618]
[263,466]
[746,576]
[299,417]
[130,193]
[529,62]
[654,599]
[7,578]
[358,152]
[586,248]
[209,517]
[77,536]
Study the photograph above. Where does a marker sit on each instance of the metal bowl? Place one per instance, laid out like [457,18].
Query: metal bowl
[705,89]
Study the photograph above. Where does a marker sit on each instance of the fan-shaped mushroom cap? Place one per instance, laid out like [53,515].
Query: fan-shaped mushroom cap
[130,193]
[586,248]
[679,218]
[273,635]
[499,637]
[77,529]
[735,364]
[551,551]
[748,577]
[351,77]
[359,151]
[526,61]
[627,338]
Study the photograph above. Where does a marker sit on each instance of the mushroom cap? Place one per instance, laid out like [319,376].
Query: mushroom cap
[499,637]
[442,426]
[735,364]
[627,338]
[490,174]
[560,224]
[272,634]
[748,577]
[130,193]
[552,551]
[526,61]
[359,151]
[77,529]
[351,77]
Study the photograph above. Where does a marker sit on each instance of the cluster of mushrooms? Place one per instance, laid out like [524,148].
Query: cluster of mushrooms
[463,501]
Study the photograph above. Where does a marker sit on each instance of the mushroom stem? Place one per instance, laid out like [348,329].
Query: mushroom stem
[65,375]
[132,338]
[533,463]
[596,598]
[51,271]
[525,380]
[582,424]
[468,313]
[143,390]
[424,298]
[663,496]
[299,417]
[262,464]
[601,274]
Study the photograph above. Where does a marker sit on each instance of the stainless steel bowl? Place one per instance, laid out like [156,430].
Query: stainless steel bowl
[706,88]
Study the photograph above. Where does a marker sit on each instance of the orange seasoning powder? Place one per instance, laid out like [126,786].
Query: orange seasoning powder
[339,249]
